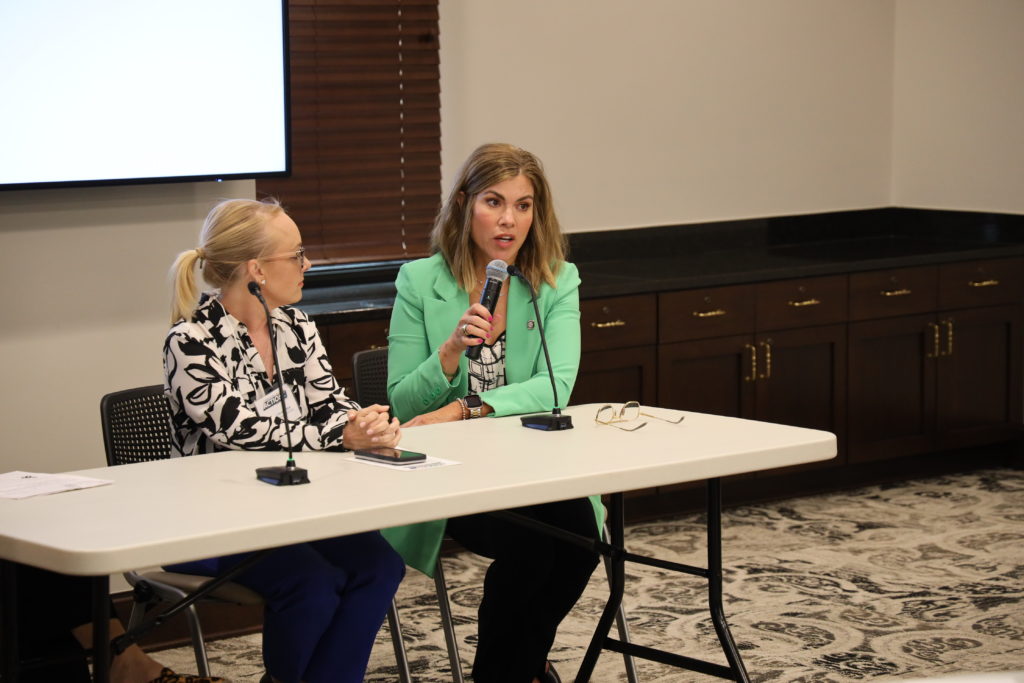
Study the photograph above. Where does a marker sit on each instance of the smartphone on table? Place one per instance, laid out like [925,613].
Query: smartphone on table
[391,456]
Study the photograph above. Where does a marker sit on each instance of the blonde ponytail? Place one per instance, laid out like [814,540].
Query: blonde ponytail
[234,232]
[185,293]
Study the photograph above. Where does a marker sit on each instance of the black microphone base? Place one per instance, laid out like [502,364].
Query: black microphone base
[548,422]
[282,475]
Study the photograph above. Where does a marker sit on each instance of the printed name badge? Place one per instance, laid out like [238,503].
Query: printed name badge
[269,405]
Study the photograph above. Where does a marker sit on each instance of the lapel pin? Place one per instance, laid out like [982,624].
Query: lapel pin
[529,324]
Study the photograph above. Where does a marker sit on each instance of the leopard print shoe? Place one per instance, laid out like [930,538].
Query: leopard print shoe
[169,676]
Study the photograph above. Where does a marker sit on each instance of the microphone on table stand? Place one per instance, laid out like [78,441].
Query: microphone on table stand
[287,474]
[497,273]
[553,421]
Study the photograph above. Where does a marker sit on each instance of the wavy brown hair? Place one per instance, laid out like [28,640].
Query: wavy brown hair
[545,247]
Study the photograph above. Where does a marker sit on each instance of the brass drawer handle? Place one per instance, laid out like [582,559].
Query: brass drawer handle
[991,282]
[936,341]
[752,377]
[801,304]
[895,292]
[717,313]
[767,374]
[948,324]
[610,323]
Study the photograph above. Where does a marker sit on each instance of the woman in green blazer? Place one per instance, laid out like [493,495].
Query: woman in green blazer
[500,207]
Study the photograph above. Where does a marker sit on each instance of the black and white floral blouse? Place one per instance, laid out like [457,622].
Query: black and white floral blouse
[214,376]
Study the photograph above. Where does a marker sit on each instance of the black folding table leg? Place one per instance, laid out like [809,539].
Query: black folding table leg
[101,629]
[9,627]
[714,532]
[617,584]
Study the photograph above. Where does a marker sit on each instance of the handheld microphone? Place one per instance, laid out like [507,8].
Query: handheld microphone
[497,273]
[288,474]
[554,421]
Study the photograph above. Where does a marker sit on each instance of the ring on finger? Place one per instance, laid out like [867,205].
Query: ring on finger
[465,329]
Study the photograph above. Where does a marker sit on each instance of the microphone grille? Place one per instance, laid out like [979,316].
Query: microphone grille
[498,270]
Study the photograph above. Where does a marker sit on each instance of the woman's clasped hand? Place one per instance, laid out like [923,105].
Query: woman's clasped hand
[371,426]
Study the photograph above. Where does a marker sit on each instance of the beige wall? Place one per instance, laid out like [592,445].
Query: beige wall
[86,275]
[676,111]
[959,108]
[652,112]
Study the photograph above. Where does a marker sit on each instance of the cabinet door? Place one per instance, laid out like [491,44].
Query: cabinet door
[979,376]
[617,376]
[708,376]
[891,395]
[802,380]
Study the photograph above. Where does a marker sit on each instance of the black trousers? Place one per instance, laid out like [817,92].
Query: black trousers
[530,587]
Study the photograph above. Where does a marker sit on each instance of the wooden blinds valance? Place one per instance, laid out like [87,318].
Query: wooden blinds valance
[365,122]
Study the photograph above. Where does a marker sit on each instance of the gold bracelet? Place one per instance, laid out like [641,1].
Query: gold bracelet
[464,407]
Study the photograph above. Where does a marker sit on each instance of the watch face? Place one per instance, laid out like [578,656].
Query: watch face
[474,401]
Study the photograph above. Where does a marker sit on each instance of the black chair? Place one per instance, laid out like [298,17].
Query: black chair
[137,428]
[370,384]
[370,376]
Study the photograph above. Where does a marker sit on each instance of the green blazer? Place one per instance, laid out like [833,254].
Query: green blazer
[427,307]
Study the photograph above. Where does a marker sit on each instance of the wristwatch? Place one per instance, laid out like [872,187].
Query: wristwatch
[475,405]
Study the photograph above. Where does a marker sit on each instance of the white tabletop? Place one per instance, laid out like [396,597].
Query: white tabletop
[189,508]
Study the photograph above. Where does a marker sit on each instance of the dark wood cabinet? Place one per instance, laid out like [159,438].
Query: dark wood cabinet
[892,387]
[787,364]
[979,381]
[804,382]
[946,378]
[617,376]
[618,362]
[978,376]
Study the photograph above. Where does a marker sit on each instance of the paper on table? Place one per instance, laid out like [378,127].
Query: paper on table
[19,484]
[430,463]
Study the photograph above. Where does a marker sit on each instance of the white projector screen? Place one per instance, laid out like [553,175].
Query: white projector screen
[96,92]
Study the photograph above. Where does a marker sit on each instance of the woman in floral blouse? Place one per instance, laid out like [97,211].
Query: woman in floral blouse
[325,600]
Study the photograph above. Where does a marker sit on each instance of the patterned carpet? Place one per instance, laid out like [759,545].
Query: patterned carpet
[910,580]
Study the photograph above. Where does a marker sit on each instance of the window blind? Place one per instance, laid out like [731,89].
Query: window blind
[365,126]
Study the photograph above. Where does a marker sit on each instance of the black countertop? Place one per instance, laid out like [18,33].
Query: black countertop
[637,261]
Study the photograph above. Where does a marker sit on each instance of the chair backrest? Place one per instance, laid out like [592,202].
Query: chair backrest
[136,425]
[370,376]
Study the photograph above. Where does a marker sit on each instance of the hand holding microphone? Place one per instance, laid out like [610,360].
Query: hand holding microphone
[497,273]
[473,328]
[475,325]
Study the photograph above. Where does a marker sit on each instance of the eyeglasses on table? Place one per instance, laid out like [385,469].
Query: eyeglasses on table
[626,413]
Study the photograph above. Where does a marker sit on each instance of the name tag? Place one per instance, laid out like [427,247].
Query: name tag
[270,404]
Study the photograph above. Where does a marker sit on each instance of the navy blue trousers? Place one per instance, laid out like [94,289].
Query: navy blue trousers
[325,602]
